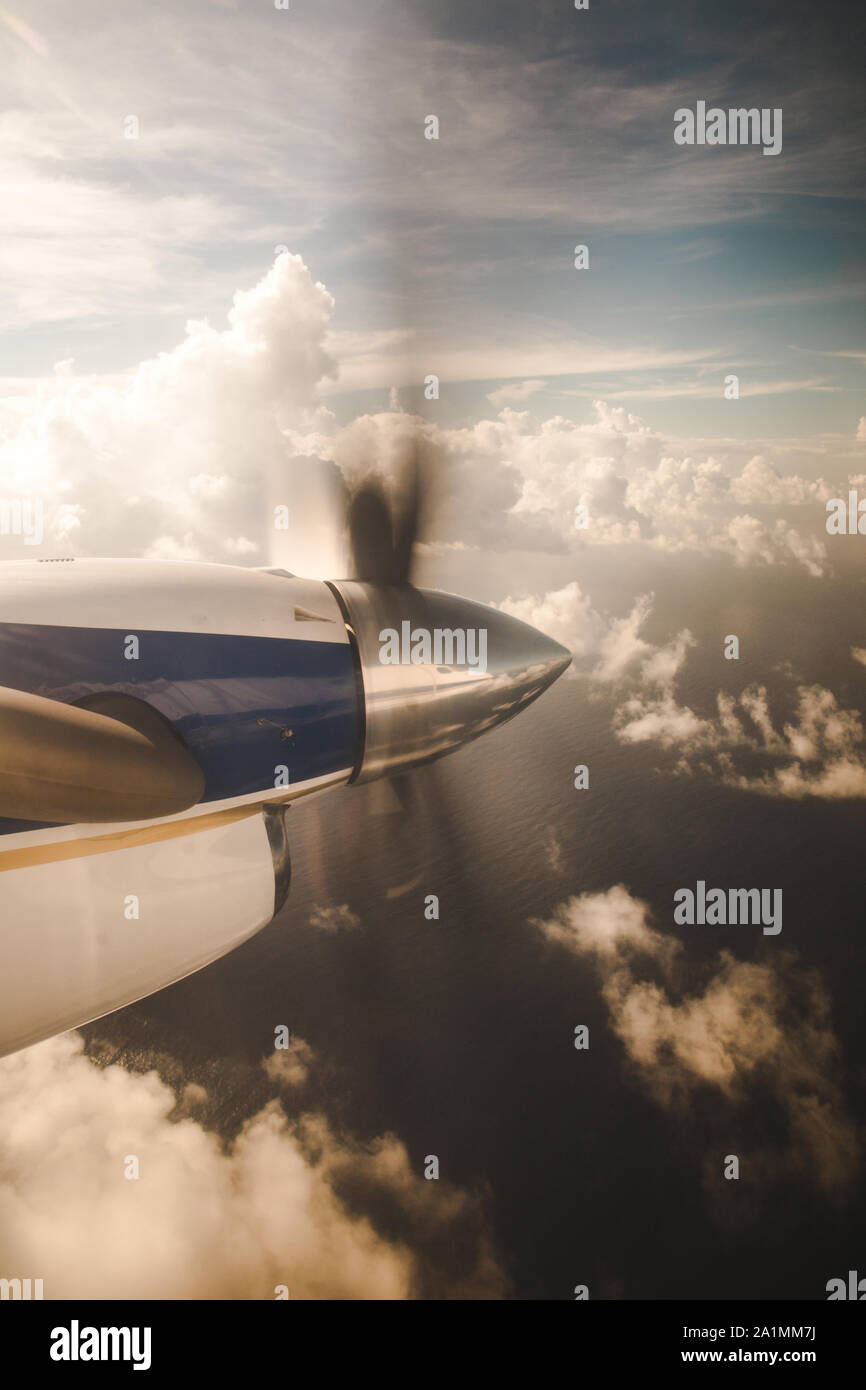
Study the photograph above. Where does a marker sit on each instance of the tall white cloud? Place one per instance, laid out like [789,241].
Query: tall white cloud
[186,456]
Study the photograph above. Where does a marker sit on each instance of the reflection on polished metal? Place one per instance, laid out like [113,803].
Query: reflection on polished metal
[416,713]
[116,760]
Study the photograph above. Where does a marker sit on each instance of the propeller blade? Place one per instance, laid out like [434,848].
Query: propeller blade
[407,517]
[371,535]
[383,536]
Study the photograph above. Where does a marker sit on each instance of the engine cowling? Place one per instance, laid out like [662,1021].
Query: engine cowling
[437,671]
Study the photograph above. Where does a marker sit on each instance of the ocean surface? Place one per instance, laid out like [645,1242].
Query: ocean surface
[456,1035]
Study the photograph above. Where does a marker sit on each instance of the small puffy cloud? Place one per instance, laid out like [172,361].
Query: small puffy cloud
[608,649]
[751,542]
[334,919]
[566,615]
[659,720]
[622,646]
[652,713]
[820,752]
[285,1201]
[600,924]
[861,428]
[759,482]
[747,1031]
[290,1066]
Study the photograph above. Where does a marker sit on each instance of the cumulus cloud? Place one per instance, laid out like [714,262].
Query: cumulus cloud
[290,1066]
[819,752]
[605,648]
[185,457]
[333,919]
[567,615]
[623,646]
[749,1030]
[286,1201]
[759,482]
[634,486]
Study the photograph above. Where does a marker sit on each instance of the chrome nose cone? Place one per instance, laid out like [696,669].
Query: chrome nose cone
[520,663]
[438,671]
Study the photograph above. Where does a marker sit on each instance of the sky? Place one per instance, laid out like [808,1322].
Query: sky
[239,307]
[305,128]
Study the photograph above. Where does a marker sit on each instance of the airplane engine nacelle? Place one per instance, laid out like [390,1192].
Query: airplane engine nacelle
[437,671]
[110,914]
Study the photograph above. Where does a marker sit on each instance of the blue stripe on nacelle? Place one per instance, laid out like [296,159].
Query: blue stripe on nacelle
[213,689]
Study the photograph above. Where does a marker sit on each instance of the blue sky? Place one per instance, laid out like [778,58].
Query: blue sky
[158,420]
[305,128]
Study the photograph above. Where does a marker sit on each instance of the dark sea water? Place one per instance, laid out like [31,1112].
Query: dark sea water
[457,1035]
